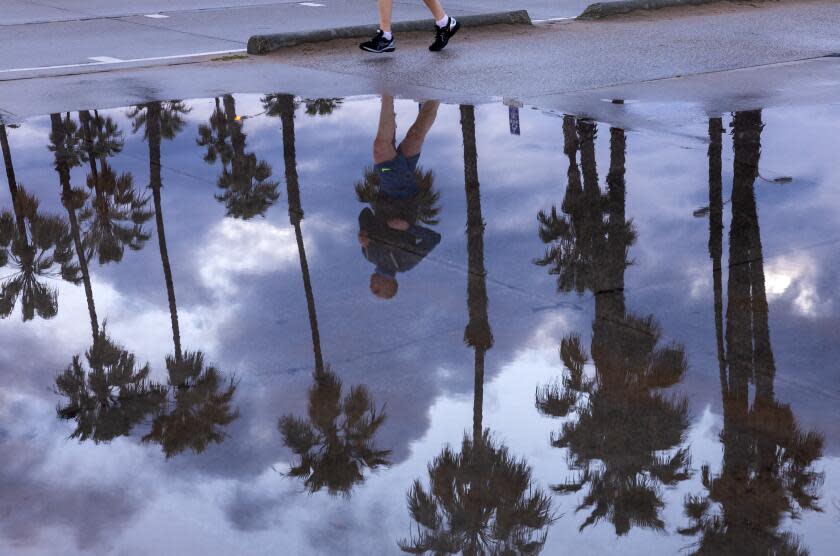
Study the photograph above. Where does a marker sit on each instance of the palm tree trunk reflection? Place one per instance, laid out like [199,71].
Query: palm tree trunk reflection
[13,185]
[477,333]
[627,439]
[716,234]
[62,134]
[336,443]
[462,511]
[34,242]
[153,126]
[287,118]
[199,411]
[87,133]
[110,394]
[766,472]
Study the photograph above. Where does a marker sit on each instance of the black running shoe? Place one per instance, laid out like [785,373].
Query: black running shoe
[443,34]
[378,43]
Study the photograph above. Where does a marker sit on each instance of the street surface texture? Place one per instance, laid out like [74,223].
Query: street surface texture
[39,35]
[524,62]
[29,11]
[552,66]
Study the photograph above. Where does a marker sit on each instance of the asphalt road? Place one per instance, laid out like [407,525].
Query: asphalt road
[523,62]
[40,11]
[42,35]
[552,66]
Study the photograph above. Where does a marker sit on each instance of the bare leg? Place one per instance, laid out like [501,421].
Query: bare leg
[434,7]
[413,142]
[385,9]
[383,145]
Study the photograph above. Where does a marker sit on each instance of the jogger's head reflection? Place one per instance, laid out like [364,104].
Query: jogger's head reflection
[401,198]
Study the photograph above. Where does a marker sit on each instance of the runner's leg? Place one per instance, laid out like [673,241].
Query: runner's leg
[434,7]
[385,9]
[413,142]
[383,145]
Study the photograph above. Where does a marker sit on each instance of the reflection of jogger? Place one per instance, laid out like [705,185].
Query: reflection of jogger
[383,41]
[389,234]
[395,165]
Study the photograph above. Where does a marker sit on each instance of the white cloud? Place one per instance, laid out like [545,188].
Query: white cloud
[556,323]
[140,323]
[794,278]
[236,247]
[699,281]
[777,283]
[34,135]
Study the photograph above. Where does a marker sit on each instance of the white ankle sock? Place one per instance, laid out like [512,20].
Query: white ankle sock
[443,22]
[387,34]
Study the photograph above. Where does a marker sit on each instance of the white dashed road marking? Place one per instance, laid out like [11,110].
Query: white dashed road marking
[106,59]
[156,16]
[109,60]
[311,4]
[552,19]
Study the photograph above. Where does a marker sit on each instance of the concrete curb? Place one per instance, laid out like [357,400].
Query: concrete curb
[602,10]
[264,44]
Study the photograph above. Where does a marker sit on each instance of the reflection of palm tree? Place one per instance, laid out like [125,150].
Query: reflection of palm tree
[216,137]
[115,215]
[283,106]
[480,500]
[113,394]
[574,239]
[34,244]
[200,410]
[161,121]
[477,334]
[767,461]
[11,179]
[247,189]
[322,106]
[621,421]
[64,142]
[110,397]
[336,443]
[201,407]
[716,232]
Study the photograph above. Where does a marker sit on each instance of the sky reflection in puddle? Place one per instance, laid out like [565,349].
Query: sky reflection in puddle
[645,325]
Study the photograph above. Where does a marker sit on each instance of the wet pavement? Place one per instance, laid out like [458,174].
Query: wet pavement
[717,58]
[93,32]
[229,329]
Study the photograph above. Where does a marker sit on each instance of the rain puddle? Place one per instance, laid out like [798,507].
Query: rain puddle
[274,325]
